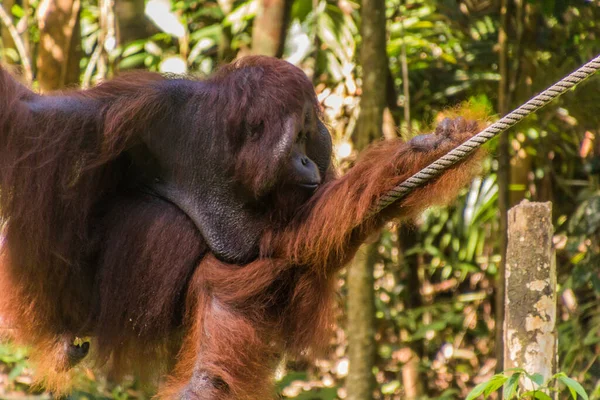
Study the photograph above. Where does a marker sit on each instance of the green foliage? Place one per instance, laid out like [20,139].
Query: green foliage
[15,360]
[513,380]
[434,295]
[456,240]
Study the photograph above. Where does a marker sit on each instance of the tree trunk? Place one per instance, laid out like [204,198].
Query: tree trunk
[373,60]
[270,27]
[412,381]
[530,325]
[59,52]
[132,23]
[362,349]
[361,307]
[503,181]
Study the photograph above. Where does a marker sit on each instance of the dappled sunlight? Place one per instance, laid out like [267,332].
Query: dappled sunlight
[432,283]
[159,12]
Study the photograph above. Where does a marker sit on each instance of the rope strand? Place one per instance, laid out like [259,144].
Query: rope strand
[457,154]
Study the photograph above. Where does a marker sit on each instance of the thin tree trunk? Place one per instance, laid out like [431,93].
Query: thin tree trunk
[503,182]
[361,307]
[7,40]
[412,381]
[316,41]
[20,42]
[25,22]
[407,238]
[270,27]
[373,60]
[225,52]
[132,23]
[107,39]
[520,166]
[59,52]
[362,349]
[405,82]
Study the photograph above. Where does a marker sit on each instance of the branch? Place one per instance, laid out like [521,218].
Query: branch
[7,21]
[89,70]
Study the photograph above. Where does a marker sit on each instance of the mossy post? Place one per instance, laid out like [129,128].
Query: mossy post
[530,339]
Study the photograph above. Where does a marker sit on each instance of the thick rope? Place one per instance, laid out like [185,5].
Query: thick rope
[459,153]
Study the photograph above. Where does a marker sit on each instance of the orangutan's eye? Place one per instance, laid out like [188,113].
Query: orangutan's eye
[301,137]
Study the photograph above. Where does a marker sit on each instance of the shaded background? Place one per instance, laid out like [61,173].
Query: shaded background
[420,305]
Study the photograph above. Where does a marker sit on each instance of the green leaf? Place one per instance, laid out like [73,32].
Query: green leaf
[301,9]
[471,245]
[390,387]
[511,387]
[436,327]
[318,394]
[133,48]
[17,11]
[537,378]
[288,378]
[478,390]
[515,370]
[495,383]
[574,387]
[134,61]
[16,371]
[211,32]
[536,394]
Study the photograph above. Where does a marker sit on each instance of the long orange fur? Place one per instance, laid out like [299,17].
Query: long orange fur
[126,288]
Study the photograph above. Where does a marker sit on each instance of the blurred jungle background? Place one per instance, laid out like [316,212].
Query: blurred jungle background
[420,307]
